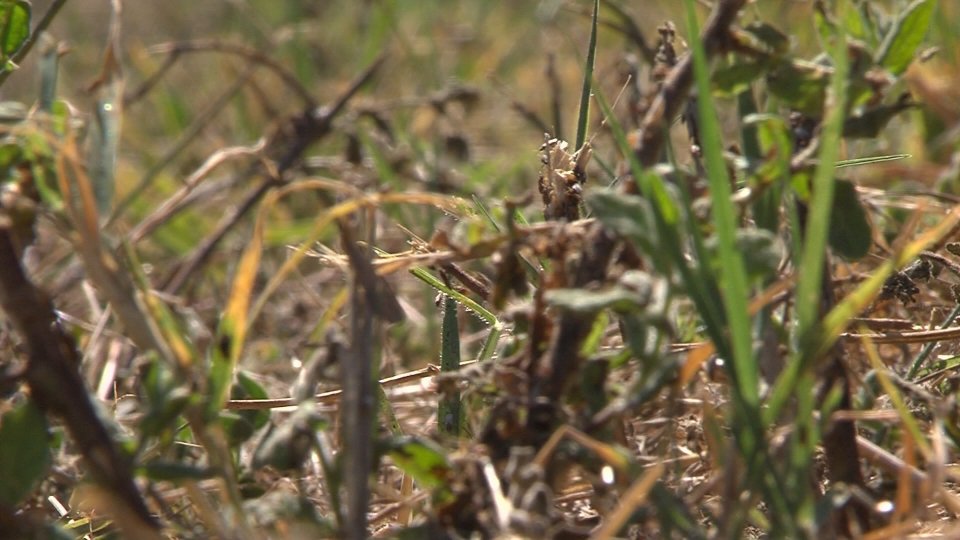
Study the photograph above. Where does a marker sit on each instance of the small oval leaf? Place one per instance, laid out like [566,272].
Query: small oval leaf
[14,26]
[24,452]
[850,232]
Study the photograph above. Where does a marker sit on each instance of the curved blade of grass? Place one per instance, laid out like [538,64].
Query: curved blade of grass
[490,344]
[896,398]
[486,213]
[232,330]
[584,114]
[435,282]
[329,216]
[836,321]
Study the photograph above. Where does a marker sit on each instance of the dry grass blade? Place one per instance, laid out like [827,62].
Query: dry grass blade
[102,268]
[631,500]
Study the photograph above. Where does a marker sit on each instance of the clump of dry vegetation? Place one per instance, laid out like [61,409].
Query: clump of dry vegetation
[314,287]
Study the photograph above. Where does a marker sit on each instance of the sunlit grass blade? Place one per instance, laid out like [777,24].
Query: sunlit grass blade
[463,299]
[584,115]
[817,230]
[856,162]
[907,419]
[837,320]
[733,275]
[232,329]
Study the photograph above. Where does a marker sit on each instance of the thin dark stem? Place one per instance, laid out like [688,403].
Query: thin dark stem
[308,128]
[253,56]
[57,388]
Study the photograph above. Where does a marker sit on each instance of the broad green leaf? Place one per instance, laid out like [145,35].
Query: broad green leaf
[422,459]
[850,232]
[901,42]
[869,124]
[776,42]
[164,399]
[247,388]
[635,290]
[802,86]
[761,249]
[24,452]
[14,26]
[237,427]
[736,78]
[854,23]
[629,215]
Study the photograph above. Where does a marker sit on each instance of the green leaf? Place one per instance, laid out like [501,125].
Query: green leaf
[422,459]
[247,388]
[736,78]
[855,22]
[901,42]
[24,452]
[869,124]
[628,215]
[49,70]
[761,249]
[635,290]
[14,26]
[850,232]
[104,144]
[802,86]
[769,36]
[240,425]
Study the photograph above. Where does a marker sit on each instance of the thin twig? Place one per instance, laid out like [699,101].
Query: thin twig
[176,50]
[334,396]
[308,127]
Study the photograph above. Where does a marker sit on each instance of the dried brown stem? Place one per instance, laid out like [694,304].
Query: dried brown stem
[56,386]
[254,57]
[308,128]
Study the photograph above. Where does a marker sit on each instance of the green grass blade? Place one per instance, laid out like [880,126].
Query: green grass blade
[448,411]
[467,302]
[815,237]
[818,225]
[733,274]
[584,113]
